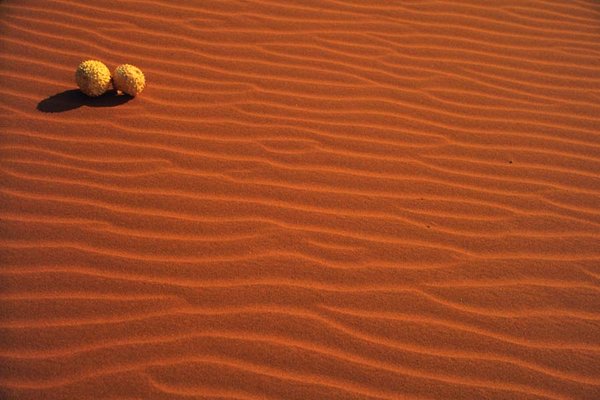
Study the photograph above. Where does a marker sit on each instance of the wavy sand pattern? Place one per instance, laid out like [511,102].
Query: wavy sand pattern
[313,199]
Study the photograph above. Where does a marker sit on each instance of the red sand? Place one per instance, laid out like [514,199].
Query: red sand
[311,200]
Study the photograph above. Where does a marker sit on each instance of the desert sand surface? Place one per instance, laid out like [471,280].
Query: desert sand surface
[312,199]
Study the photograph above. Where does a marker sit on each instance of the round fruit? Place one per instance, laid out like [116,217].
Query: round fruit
[93,78]
[129,79]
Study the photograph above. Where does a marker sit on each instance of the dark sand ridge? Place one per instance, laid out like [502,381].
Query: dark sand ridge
[310,200]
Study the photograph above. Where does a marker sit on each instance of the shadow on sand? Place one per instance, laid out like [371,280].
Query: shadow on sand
[74,98]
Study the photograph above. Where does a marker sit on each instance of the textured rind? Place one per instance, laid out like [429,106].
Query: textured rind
[129,79]
[93,77]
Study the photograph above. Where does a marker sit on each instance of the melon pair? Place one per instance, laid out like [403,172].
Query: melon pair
[94,78]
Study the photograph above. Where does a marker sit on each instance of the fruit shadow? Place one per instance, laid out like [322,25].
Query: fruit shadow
[74,98]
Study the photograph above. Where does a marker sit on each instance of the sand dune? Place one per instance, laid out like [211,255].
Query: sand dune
[333,199]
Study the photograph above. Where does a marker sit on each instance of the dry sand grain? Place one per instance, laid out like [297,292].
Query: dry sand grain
[311,200]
